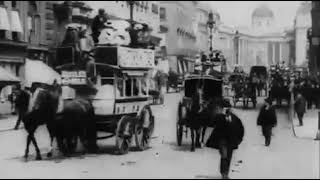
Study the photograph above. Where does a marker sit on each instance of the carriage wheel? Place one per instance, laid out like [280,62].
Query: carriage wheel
[123,145]
[144,129]
[124,135]
[73,144]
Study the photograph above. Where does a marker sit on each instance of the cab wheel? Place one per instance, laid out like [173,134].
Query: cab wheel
[124,135]
[144,129]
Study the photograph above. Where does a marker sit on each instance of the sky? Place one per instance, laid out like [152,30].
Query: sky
[238,13]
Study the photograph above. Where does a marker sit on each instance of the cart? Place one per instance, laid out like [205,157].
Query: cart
[279,85]
[259,76]
[243,90]
[211,88]
[117,83]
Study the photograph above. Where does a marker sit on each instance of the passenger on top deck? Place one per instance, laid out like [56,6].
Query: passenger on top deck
[98,24]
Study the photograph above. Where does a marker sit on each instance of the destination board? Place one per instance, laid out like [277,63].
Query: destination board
[74,77]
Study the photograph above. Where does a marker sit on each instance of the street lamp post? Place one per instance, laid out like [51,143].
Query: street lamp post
[131,4]
[236,46]
[211,24]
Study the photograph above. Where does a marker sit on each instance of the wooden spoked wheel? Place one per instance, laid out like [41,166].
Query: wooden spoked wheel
[124,135]
[144,128]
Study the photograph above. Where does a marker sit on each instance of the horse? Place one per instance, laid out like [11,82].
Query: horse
[198,116]
[249,92]
[73,121]
[76,121]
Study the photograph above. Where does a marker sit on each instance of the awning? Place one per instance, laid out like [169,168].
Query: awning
[7,78]
[15,22]
[4,20]
[38,72]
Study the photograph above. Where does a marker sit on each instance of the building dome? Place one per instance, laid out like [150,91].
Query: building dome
[263,11]
[305,8]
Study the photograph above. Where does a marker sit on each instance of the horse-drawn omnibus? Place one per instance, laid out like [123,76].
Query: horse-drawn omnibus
[116,80]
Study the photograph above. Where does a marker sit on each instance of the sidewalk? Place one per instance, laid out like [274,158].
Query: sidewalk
[310,125]
[8,122]
[5,108]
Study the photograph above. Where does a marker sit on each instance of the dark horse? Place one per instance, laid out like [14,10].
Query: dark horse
[199,116]
[249,93]
[75,120]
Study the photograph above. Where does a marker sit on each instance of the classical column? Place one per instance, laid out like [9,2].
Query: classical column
[273,53]
[239,50]
[280,53]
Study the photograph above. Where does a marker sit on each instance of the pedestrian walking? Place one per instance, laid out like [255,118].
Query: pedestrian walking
[267,119]
[300,107]
[21,104]
[226,137]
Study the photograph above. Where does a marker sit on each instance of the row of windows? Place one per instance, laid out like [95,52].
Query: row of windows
[180,32]
[33,23]
[13,4]
[142,6]
[14,35]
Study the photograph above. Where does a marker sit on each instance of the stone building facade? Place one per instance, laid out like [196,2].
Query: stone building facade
[261,44]
[301,25]
[26,29]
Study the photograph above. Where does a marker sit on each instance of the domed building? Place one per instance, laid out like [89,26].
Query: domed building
[263,43]
[262,18]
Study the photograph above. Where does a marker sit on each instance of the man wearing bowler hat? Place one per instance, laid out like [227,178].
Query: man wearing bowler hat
[226,136]
[267,119]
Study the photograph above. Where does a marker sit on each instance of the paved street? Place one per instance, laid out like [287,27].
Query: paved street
[288,157]
[310,127]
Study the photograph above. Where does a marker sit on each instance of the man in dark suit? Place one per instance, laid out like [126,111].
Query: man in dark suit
[267,119]
[98,24]
[226,137]
[300,107]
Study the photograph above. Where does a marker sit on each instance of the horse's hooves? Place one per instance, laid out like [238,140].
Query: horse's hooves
[49,155]
[38,158]
[193,150]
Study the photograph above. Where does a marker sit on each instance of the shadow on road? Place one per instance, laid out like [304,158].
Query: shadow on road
[183,148]
[207,177]
[56,158]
